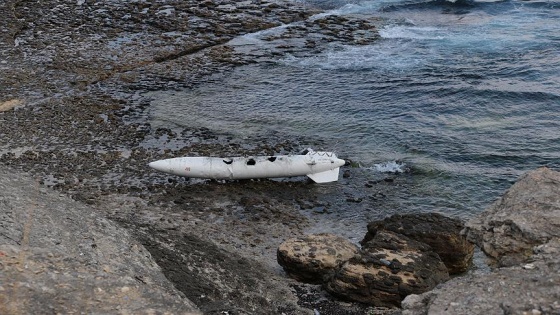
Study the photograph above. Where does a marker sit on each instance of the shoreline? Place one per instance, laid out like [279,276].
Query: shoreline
[77,74]
[73,118]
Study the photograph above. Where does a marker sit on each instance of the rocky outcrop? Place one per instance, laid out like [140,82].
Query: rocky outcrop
[59,256]
[527,215]
[400,255]
[525,289]
[440,232]
[314,258]
[520,232]
[389,267]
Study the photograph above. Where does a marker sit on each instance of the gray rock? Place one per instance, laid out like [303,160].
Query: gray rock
[389,267]
[440,232]
[314,258]
[509,290]
[527,215]
[60,256]
[520,232]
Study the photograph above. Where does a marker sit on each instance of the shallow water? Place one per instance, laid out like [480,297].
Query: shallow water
[461,97]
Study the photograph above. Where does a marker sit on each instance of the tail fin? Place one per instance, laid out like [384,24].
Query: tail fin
[325,177]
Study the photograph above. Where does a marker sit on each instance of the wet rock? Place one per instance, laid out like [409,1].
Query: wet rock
[314,258]
[527,215]
[440,232]
[316,299]
[312,36]
[389,267]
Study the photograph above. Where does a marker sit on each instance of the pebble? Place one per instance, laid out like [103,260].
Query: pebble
[529,266]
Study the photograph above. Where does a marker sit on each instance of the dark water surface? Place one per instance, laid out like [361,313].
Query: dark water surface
[464,96]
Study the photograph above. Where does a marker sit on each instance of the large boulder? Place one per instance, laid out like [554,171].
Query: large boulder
[520,231]
[389,267]
[440,232]
[315,257]
[527,215]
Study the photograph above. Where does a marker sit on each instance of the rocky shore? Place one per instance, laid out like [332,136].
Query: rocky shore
[73,115]
[520,235]
[85,225]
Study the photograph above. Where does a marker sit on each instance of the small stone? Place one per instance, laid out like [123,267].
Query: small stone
[8,105]
[529,266]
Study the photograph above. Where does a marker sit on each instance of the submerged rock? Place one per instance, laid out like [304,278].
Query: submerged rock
[314,258]
[389,267]
[527,215]
[440,232]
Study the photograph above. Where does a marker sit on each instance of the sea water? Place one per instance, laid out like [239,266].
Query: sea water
[464,97]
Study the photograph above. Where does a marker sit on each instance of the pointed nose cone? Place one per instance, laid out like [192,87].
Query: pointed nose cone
[336,161]
[339,162]
[161,165]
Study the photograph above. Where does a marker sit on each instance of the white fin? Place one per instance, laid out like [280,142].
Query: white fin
[325,177]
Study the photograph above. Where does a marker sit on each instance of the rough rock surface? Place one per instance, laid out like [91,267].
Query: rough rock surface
[532,288]
[313,258]
[217,280]
[527,215]
[389,267]
[521,231]
[440,232]
[75,113]
[59,256]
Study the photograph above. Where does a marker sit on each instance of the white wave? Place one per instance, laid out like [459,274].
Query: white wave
[390,167]
[256,37]
[369,7]
[411,32]
[366,7]
[384,57]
